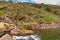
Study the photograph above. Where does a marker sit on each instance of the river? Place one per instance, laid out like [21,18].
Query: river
[28,37]
[53,34]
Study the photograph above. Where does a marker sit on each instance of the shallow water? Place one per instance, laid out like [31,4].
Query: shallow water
[48,34]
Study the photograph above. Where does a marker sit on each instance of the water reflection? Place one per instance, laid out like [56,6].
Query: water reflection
[53,34]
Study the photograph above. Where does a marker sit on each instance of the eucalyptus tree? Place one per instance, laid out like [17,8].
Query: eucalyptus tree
[10,0]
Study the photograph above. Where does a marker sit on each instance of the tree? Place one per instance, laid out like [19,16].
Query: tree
[10,0]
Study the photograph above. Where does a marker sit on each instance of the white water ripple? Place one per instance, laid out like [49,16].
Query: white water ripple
[29,37]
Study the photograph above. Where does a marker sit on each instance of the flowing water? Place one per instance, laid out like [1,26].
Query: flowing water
[42,35]
[28,37]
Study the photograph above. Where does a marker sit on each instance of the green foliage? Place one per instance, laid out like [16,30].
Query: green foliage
[28,27]
[57,12]
[47,17]
[31,12]
[1,12]
[7,27]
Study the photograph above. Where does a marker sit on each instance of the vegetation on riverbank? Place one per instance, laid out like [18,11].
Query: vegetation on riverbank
[27,16]
[26,12]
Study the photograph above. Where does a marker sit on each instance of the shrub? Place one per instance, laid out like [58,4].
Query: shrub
[57,12]
[28,27]
[47,17]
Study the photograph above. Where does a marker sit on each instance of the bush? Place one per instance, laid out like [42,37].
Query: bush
[57,12]
[47,17]
[28,27]
[48,9]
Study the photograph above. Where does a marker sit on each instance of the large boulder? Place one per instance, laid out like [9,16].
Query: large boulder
[30,26]
[28,32]
[15,31]
[21,32]
[2,26]
[6,37]
[10,28]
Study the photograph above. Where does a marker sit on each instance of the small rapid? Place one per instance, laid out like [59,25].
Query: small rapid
[28,37]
